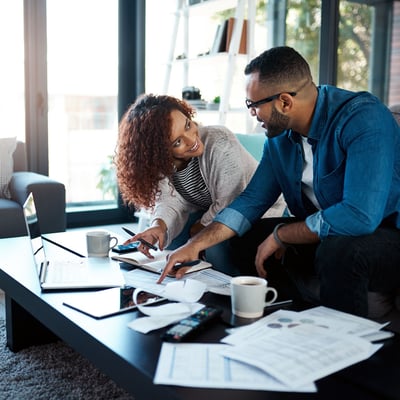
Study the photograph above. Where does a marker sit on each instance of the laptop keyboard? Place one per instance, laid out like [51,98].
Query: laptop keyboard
[66,272]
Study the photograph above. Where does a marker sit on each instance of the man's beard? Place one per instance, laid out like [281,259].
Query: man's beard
[277,123]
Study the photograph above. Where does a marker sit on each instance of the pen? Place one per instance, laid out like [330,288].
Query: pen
[145,242]
[181,265]
[186,264]
[281,303]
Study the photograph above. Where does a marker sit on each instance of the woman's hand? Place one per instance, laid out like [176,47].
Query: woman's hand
[152,235]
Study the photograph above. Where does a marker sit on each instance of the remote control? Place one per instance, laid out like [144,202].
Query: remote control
[189,326]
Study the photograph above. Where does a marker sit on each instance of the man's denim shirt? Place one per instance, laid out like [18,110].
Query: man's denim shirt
[356,149]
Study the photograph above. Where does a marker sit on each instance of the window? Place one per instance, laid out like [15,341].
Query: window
[82,65]
[12,100]
[303,31]
[346,42]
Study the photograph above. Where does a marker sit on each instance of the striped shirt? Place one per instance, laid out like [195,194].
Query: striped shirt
[190,184]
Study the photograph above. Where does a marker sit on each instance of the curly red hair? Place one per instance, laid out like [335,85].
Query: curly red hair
[143,153]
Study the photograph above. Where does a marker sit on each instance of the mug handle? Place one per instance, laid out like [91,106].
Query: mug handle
[270,289]
[113,245]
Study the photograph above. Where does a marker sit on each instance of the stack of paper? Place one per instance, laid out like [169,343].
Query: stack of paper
[284,351]
[215,281]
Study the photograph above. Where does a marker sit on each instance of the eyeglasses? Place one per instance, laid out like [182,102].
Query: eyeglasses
[255,104]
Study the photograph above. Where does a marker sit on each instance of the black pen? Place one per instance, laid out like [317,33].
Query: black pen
[181,265]
[145,242]
[186,264]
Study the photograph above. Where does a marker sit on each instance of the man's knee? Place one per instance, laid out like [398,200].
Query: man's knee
[335,257]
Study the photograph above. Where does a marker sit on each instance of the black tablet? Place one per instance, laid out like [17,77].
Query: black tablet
[109,302]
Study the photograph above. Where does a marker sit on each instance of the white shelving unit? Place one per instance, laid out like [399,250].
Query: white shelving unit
[228,60]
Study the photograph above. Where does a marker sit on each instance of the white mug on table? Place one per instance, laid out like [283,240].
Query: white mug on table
[248,296]
[99,243]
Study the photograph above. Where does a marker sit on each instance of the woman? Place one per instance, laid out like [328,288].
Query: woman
[185,173]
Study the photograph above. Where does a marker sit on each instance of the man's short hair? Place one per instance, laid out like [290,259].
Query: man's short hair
[279,65]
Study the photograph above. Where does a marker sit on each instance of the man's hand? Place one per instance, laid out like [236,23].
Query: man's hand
[207,237]
[266,249]
[293,233]
[184,253]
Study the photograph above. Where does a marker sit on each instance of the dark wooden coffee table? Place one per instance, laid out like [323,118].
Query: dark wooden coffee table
[130,358]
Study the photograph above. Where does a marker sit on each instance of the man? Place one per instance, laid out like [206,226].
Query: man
[335,156]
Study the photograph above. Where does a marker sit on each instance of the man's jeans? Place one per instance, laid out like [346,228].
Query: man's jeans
[345,268]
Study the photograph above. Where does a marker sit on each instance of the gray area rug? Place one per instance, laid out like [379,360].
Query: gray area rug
[52,371]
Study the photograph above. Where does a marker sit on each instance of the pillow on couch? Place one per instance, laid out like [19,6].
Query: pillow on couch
[7,148]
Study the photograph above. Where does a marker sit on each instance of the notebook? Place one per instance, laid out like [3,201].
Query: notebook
[158,263]
[70,271]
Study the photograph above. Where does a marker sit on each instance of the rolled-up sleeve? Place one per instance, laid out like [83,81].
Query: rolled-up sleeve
[233,220]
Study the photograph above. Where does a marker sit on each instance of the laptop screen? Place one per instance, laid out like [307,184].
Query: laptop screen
[31,219]
[32,225]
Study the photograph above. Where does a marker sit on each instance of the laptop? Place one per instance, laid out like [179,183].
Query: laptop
[68,271]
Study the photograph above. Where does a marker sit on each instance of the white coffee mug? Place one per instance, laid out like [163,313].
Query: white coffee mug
[99,243]
[248,296]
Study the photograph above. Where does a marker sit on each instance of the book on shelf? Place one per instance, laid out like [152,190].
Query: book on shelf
[243,37]
[217,40]
[223,37]
[157,263]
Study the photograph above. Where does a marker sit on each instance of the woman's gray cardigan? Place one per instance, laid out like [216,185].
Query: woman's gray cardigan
[226,167]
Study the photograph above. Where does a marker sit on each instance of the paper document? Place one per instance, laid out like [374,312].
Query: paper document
[210,369]
[285,319]
[146,280]
[354,325]
[302,354]
[215,281]
[158,317]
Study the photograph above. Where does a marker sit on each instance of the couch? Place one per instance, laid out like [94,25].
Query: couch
[49,194]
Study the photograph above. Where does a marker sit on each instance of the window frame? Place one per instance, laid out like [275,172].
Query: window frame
[131,17]
[131,73]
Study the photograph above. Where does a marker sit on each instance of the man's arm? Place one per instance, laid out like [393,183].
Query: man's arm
[209,236]
[296,233]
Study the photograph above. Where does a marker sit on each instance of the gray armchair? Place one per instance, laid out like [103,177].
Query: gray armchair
[49,198]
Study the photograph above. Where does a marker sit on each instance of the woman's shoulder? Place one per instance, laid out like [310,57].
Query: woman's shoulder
[216,133]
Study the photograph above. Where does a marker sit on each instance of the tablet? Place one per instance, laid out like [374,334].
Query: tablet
[105,303]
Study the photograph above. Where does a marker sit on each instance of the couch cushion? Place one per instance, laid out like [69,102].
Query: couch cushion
[253,143]
[7,148]
[12,220]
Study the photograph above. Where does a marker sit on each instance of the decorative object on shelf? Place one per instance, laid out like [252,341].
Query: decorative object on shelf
[214,105]
[191,93]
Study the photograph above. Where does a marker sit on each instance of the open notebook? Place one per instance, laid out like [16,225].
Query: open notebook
[70,271]
[157,263]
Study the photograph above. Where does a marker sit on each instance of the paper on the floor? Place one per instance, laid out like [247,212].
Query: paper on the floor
[212,370]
